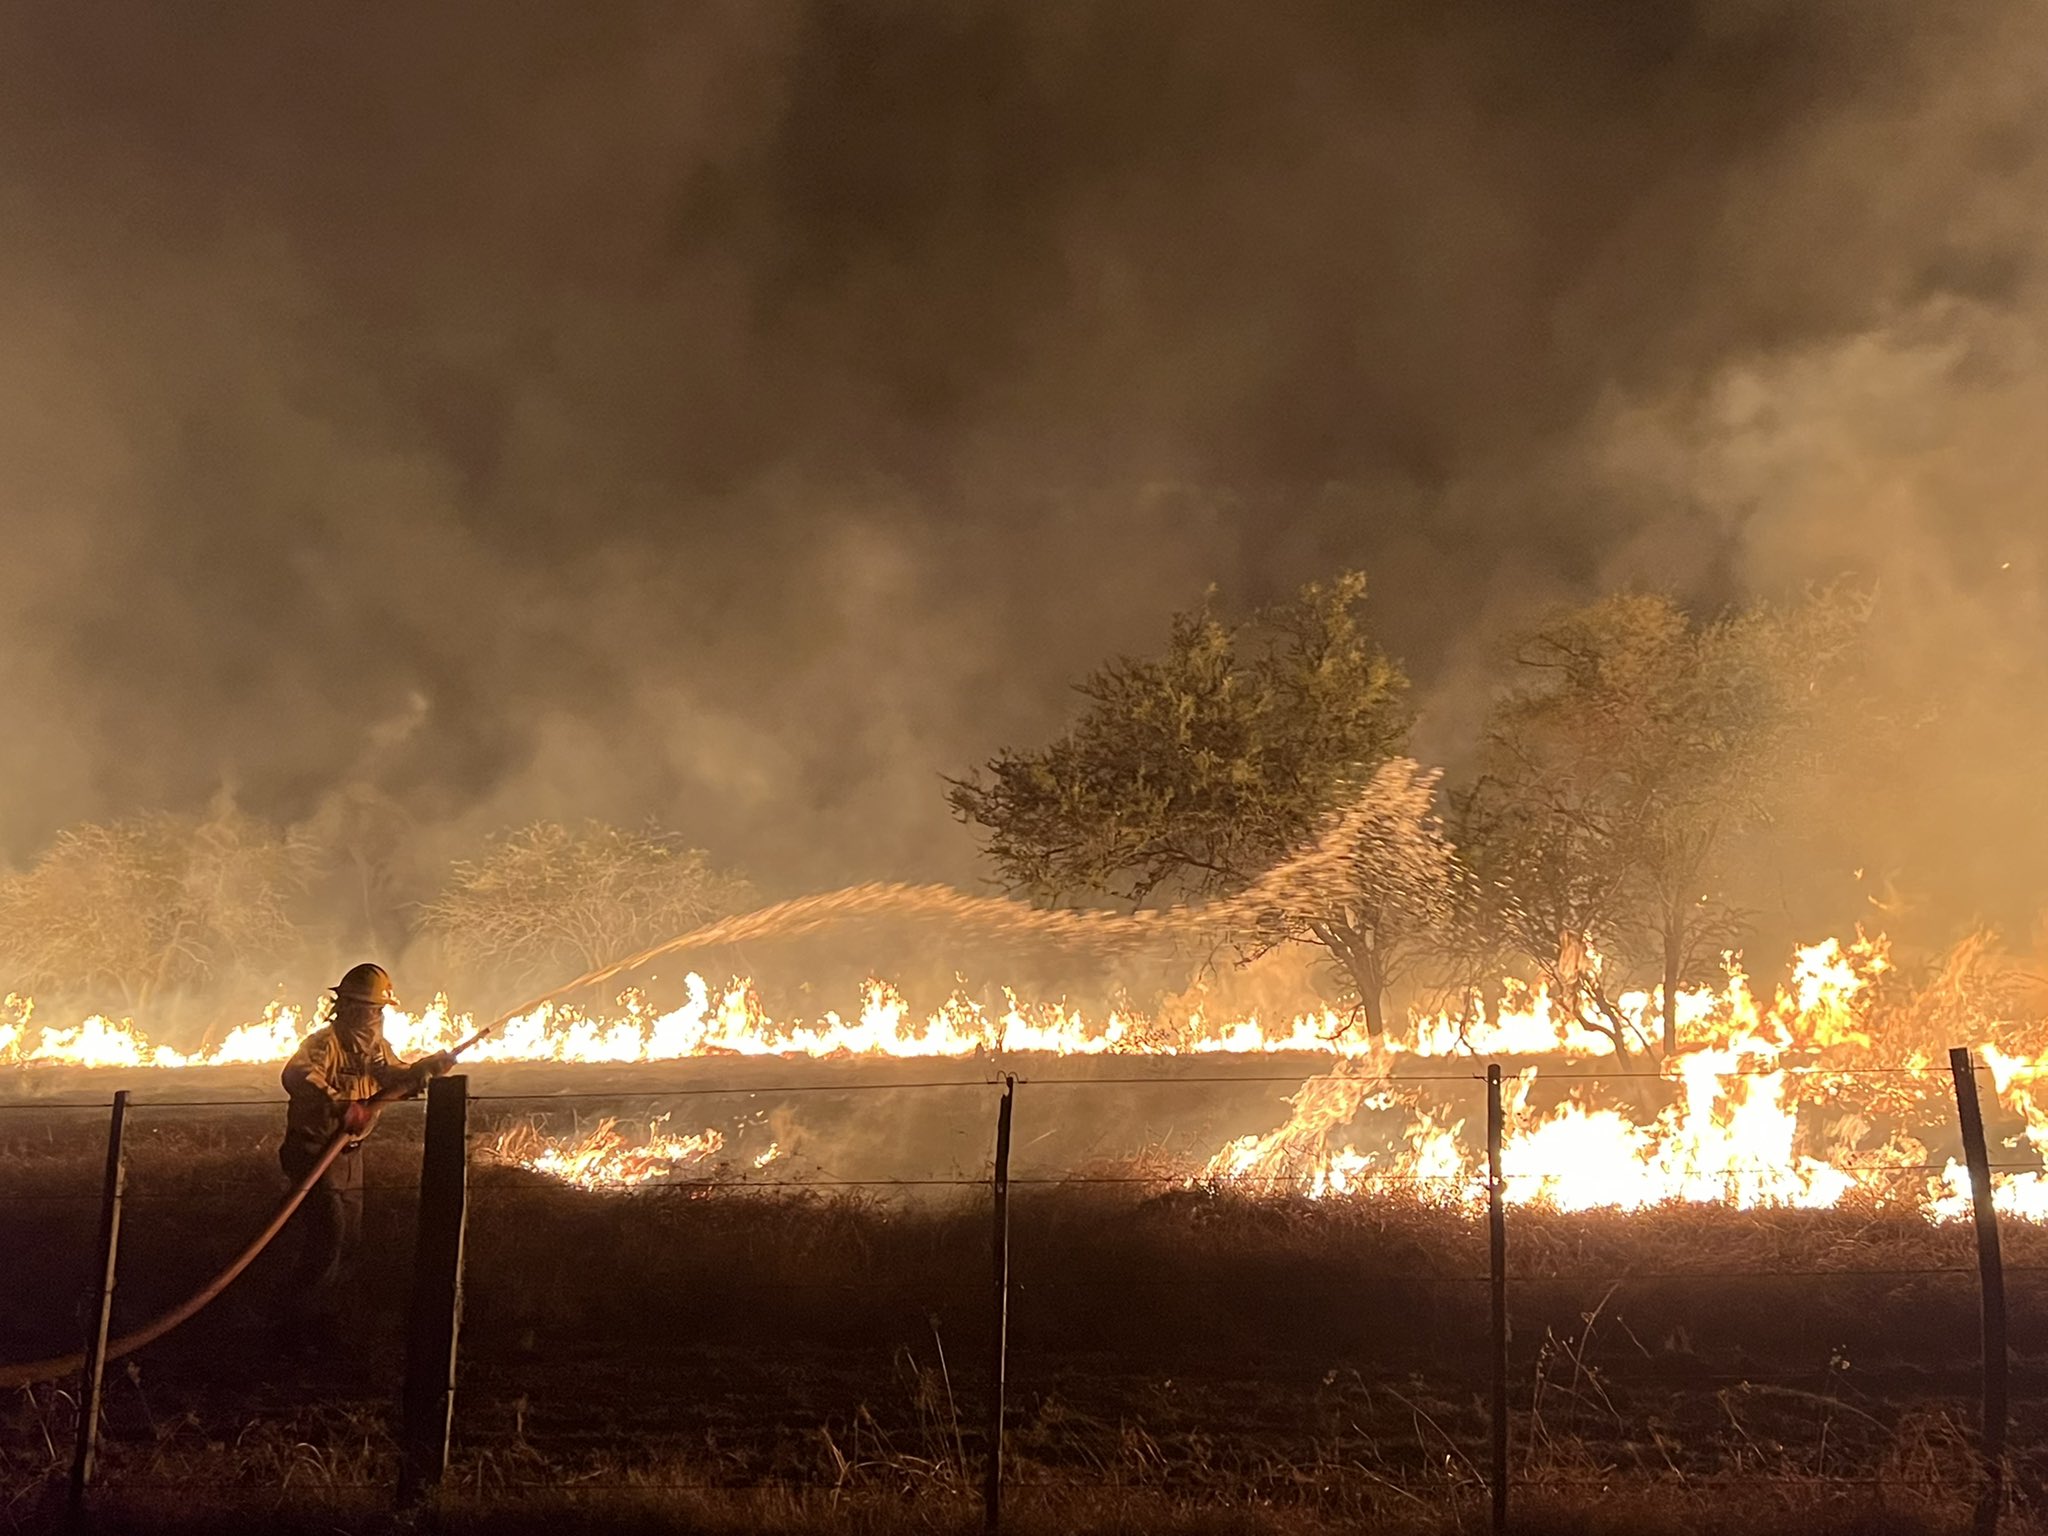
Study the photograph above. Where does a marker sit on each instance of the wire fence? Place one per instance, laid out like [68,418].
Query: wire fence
[1163,1328]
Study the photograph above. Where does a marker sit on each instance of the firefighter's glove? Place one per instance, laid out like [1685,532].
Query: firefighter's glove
[357,1117]
[440,1064]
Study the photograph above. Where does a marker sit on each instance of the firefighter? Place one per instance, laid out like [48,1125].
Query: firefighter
[331,1075]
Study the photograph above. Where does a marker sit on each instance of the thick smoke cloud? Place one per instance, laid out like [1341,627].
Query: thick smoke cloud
[740,414]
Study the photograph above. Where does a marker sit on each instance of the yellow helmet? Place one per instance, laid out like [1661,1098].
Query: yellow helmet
[366,983]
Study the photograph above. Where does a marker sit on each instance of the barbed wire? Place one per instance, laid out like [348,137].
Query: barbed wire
[711,1092]
[545,1184]
[21,1104]
[1001,1065]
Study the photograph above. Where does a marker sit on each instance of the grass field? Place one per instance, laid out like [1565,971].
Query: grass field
[811,1358]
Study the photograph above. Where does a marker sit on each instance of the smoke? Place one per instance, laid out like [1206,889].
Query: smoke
[741,414]
[1900,458]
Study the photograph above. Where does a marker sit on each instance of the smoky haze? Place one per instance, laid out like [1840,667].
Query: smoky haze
[741,414]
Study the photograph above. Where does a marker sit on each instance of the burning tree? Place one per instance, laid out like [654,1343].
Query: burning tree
[1616,779]
[546,897]
[1190,773]
[154,903]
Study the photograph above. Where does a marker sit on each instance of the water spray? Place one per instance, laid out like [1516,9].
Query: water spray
[1288,886]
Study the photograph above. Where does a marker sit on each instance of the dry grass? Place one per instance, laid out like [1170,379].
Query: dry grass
[1706,1511]
[1182,1360]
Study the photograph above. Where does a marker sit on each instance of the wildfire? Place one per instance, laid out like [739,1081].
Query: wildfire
[605,1158]
[1809,1098]
[732,1022]
[98,1041]
[1768,1106]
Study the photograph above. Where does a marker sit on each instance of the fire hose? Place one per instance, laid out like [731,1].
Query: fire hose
[1321,861]
[34,1372]
[783,918]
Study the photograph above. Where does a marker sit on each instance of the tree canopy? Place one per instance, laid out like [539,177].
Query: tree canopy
[1401,891]
[1615,777]
[548,897]
[1189,773]
[154,903]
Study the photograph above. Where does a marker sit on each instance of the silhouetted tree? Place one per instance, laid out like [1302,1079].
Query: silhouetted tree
[546,897]
[370,875]
[1190,773]
[1640,745]
[154,903]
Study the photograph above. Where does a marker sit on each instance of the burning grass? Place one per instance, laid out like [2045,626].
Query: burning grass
[1829,1091]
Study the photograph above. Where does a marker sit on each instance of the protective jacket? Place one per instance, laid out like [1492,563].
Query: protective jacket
[324,1074]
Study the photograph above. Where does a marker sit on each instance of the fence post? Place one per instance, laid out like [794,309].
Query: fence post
[992,1473]
[1497,1265]
[436,1315]
[1991,1287]
[87,1451]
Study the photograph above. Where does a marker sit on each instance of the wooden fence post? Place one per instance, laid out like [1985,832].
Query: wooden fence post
[1497,1257]
[992,1473]
[1991,1287]
[436,1316]
[116,1180]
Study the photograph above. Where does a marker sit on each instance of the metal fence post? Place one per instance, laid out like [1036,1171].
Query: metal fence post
[1497,1265]
[87,1451]
[1991,1287]
[992,1474]
[436,1316]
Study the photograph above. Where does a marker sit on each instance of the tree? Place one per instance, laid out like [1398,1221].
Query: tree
[1190,773]
[366,839]
[1617,776]
[154,903]
[1400,897]
[546,897]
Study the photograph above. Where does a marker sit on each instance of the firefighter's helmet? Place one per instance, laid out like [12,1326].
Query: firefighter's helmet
[366,983]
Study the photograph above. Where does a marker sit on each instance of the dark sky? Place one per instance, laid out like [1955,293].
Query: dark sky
[741,414]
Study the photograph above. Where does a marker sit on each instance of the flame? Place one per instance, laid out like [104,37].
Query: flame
[1771,1103]
[604,1158]
[1730,1132]
[732,1022]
